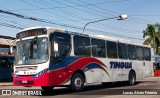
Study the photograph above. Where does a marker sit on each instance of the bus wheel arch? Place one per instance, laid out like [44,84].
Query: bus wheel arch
[77,80]
[132,77]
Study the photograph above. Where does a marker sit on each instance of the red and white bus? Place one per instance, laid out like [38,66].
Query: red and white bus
[50,57]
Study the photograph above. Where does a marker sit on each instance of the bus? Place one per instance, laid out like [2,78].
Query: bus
[49,57]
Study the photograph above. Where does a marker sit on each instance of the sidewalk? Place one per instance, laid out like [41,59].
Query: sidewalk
[6,84]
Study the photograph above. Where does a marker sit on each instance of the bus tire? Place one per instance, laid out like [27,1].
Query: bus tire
[47,88]
[132,78]
[77,82]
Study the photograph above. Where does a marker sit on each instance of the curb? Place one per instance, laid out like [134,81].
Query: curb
[6,84]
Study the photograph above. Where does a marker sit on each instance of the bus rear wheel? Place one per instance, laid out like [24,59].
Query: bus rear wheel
[47,88]
[77,82]
[132,78]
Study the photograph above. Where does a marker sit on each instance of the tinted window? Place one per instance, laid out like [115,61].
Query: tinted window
[112,49]
[139,53]
[122,51]
[131,52]
[81,45]
[147,54]
[98,48]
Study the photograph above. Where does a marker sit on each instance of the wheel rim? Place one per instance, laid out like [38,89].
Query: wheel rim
[78,82]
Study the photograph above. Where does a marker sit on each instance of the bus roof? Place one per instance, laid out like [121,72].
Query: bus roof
[37,27]
[116,39]
[103,37]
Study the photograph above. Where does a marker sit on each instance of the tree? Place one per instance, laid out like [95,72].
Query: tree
[152,33]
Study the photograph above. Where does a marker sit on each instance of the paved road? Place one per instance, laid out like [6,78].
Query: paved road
[144,88]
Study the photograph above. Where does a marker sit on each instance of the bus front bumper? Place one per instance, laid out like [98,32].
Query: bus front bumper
[29,80]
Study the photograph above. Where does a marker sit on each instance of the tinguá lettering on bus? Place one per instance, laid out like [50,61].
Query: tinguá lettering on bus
[118,65]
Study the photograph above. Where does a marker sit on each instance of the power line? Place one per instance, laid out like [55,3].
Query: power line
[142,21]
[146,15]
[74,27]
[133,21]
[45,10]
[64,25]
[61,10]
[66,12]
[122,29]
[69,6]
[99,7]
[94,10]
[89,4]
[97,11]
[10,25]
[139,21]
[10,20]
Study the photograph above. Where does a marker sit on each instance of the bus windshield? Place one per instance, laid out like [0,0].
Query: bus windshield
[32,51]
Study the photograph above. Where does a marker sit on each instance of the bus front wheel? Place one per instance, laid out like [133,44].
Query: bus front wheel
[77,82]
[47,88]
[132,78]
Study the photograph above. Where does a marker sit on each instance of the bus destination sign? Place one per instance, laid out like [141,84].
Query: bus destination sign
[33,32]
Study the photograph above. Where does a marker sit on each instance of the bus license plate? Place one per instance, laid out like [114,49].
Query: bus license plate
[24,81]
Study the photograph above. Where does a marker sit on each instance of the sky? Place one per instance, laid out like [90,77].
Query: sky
[72,15]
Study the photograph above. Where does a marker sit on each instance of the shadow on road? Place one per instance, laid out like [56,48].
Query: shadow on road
[90,90]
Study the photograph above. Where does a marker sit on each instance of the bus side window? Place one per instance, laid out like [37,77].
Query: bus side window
[82,46]
[98,48]
[131,52]
[140,55]
[122,51]
[112,49]
[147,54]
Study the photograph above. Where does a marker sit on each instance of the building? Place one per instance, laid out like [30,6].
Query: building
[7,53]
[6,44]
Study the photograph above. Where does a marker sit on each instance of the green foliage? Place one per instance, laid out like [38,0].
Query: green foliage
[152,33]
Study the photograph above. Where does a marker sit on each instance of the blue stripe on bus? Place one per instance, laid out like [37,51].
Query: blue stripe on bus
[92,66]
[65,63]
